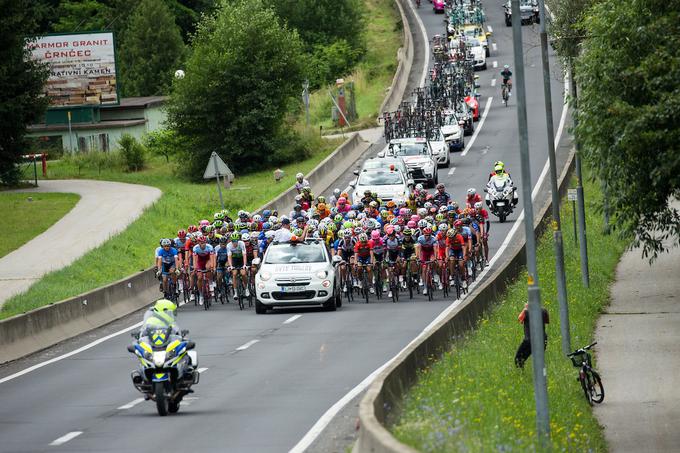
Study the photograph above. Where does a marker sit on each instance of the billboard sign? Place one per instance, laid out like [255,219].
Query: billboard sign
[82,68]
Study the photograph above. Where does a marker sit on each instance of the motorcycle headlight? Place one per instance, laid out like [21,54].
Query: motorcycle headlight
[159,358]
[264,275]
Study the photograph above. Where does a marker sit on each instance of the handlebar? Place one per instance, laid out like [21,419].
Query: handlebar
[582,350]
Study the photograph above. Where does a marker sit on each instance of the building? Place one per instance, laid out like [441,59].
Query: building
[99,128]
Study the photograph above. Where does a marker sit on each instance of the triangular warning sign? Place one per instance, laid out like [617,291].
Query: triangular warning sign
[217,167]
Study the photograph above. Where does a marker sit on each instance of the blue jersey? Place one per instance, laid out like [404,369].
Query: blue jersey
[427,244]
[167,256]
[208,250]
[222,253]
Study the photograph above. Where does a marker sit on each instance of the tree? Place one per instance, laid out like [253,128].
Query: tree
[83,15]
[21,84]
[151,50]
[629,111]
[244,69]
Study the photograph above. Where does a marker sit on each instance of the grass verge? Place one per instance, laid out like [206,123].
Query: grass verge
[474,399]
[26,215]
[374,74]
[181,204]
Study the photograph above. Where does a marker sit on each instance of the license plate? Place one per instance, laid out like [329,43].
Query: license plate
[500,203]
[292,289]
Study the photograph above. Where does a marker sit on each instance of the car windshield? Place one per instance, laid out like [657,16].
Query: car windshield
[450,120]
[408,149]
[382,163]
[472,42]
[472,32]
[380,178]
[298,253]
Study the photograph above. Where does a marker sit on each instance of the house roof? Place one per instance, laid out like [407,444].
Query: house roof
[84,126]
[138,102]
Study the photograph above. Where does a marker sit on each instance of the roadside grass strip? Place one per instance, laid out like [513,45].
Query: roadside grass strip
[181,204]
[474,398]
[22,220]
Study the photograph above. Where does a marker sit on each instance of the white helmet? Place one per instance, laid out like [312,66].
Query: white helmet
[257,218]
[299,176]
[443,227]
[273,219]
[336,192]
[245,237]
[471,192]
[506,66]
[422,223]
[478,205]
[419,186]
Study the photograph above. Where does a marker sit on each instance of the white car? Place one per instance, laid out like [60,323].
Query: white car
[418,157]
[452,130]
[389,183]
[297,273]
[440,150]
[477,52]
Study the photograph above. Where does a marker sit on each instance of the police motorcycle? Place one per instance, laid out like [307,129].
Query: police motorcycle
[500,197]
[167,365]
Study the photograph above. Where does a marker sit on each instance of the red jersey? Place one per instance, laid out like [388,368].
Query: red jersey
[363,250]
[472,200]
[455,243]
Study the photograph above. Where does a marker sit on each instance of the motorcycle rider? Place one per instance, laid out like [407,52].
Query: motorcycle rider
[165,311]
[496,164]
[500,178]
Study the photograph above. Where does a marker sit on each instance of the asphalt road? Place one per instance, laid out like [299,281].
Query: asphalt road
[269,378]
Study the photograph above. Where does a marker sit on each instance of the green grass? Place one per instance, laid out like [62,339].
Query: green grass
[181,204]
[26,215]
[474,399]
[373,76]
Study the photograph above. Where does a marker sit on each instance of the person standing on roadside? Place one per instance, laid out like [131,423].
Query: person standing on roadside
[524,350]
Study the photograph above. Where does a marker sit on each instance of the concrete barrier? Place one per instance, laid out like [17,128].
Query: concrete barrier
[405,57]
[45,326]
[383,398]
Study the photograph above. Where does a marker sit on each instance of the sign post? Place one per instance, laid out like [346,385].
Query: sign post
[572,195]
[216,168]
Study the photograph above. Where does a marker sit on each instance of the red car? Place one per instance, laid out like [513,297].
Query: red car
[472,102]
[438,6]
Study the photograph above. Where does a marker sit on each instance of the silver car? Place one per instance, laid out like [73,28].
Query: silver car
[297,273]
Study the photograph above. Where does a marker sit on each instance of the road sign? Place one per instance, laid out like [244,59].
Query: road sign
[217,167]
[572,195]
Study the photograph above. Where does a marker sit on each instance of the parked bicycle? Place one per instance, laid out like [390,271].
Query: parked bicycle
[589,378]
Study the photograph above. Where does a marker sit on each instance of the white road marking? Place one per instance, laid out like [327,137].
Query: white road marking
[202,370]
[131,404]
[479,127]
[493,82]
[247,345]
[187,400]
[494,64]
[66,438]
[494,46]
[292,319]
[427,44]
[69,354]
[488,27]
[452,170]
[326,418]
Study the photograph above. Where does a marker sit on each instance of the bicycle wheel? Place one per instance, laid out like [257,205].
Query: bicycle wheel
[205,291]
[240,291]
[251,289]
[445,281]
[596,388]
[585,385]
[409,283]
[364,281]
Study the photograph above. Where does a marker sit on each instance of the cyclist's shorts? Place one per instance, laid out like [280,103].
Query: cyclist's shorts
[457,254]
[378,257]
[201,263]
[441,253]
[392,256]
[237,263]
[167,268]
[426,256]
[408,253]
[346,254]
[221,265]
[364,260]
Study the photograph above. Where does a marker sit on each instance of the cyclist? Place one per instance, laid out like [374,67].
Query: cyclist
[377,255]
[300,182]
[472,197]
[441,197]
[167,263]
[221,259]
[483,220]
[203,257]
[362,256]
[506,73]
[455,244]
[426,247]
[236,254]
[394,254]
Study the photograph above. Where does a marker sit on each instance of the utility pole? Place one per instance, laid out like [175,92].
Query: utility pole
[582,238]
[557,224]
[305,99]
[535,312]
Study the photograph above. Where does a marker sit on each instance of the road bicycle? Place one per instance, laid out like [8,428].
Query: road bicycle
[444,278]
[378,279]
[346,281]
[223,288]
[239,288]
[393,273]
[428,281]
[204,290]
[505,93]
[589,378]
[362,276]
[457,277]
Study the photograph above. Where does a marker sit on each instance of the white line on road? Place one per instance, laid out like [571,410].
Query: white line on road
[494,64]
[493,82]
[202,370]
[67,355]
[66,438]
[494,46]
[488,27]
[427,45]
[247,345]
[328,416]
[292,319]
[479,127]
[131,404]
[452,170]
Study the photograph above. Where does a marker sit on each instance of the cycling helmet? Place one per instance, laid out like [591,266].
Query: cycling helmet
[375,234]
[299,176]
[201,239]
[394,221]
[257,218]
[218,216]
[422,224]
[506,66]
[321,199]
[218,224]
[224,240]
[454,205]
[442,227]
[363,237]
[397,228]
[192,229]
[336,193]
[351,215]
[389,229]
[439,217]
[358,231]
[419,187]
[443,209]
[266,226]
[451,233]
[458,223]
[478,205]
[415,218]
[342,200]
[411,224]
[253,227]
[235,236]
[498,169]
[181,234]
[269,234]
[306,189]
[422,212]
[165,242]
[338,218]
[245,237]
[427,205]
[346,234]
[204,223]
[427,231]
[471,192]
[273,219]
[440,186]
[266,213]
[407,232]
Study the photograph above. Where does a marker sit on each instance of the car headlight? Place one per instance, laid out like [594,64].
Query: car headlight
[265,276]
[321,274]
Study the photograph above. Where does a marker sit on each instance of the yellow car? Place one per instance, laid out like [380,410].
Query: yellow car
[476,31]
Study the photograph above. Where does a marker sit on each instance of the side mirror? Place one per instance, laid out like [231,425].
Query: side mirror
[135,335]
[336,259]
[131,349]
[353,184]
[356,172]
[185,332]
[191,345]
[486,190]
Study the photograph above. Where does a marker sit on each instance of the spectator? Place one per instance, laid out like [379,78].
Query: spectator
[524,350]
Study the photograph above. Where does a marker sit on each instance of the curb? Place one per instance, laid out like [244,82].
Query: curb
[387,391]
[405,57]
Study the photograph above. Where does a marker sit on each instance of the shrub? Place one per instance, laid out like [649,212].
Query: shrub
[134,154]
